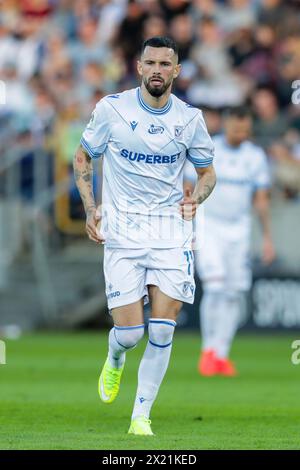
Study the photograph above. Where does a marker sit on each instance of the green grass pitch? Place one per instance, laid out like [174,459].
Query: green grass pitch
[48,397]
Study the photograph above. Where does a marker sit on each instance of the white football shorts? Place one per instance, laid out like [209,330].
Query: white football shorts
[128,272]
[224,258]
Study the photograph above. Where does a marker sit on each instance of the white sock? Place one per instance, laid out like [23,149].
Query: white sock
[153,365]
[210,305]
[227,322]
[122,339]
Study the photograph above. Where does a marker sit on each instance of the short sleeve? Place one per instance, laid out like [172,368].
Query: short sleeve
[201,148]
[96,134]
[261,174]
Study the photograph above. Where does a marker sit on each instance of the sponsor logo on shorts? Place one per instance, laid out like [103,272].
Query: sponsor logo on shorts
[188,289]
[114,294]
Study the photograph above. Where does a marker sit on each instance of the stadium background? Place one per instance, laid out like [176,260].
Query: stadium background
[57,59]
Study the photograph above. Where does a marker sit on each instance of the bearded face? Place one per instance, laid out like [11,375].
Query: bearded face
[156,85]
[158,67]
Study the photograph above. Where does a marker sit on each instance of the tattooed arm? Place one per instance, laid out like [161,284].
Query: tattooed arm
[83,172]
[204,186]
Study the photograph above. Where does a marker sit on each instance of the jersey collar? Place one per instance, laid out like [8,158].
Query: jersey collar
[149,109]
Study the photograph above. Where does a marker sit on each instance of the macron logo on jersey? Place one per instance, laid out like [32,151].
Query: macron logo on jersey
[149,158]
[133,124]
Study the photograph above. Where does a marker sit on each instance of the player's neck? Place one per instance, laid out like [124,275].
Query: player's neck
[155,102]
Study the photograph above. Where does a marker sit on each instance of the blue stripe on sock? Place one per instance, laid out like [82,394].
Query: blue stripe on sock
[128,327]
[160,345]
[163,322]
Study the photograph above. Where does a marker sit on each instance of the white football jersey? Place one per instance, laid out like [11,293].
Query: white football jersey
[144,152]
[240,172]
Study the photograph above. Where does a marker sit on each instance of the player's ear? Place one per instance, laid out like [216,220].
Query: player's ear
[139,67]
[177,70]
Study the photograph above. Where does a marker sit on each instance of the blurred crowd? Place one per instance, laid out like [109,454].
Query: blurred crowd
[59,57]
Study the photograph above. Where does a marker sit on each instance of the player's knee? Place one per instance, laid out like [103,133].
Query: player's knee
[161,332]
[128,337]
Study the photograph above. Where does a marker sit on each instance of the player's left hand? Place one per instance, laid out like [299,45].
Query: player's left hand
[268,251]
[188,206]
[93,225]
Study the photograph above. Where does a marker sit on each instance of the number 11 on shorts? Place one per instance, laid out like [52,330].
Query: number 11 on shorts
[188,255]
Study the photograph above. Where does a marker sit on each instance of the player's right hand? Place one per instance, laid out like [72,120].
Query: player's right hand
[92,225]
[188,206]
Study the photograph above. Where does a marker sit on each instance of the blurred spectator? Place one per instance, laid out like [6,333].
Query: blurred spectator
[38,9]
[45,113]
[86,48]
[153,7]
[110,16]
[130,32]
[241,46]
[172,8]
[154,26]
[22,41]
[181,29]
[206,8]
[287,67]
[8,45]
[217,85]
[19,100]
[209,52]
[238,14]
[270,11]
[213,119]
[55,54]
[269,123]
[185,80]
[286,169]
[253,53]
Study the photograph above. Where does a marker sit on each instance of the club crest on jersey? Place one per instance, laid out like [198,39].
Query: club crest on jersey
[133,124]
[156,129]
[178,130]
